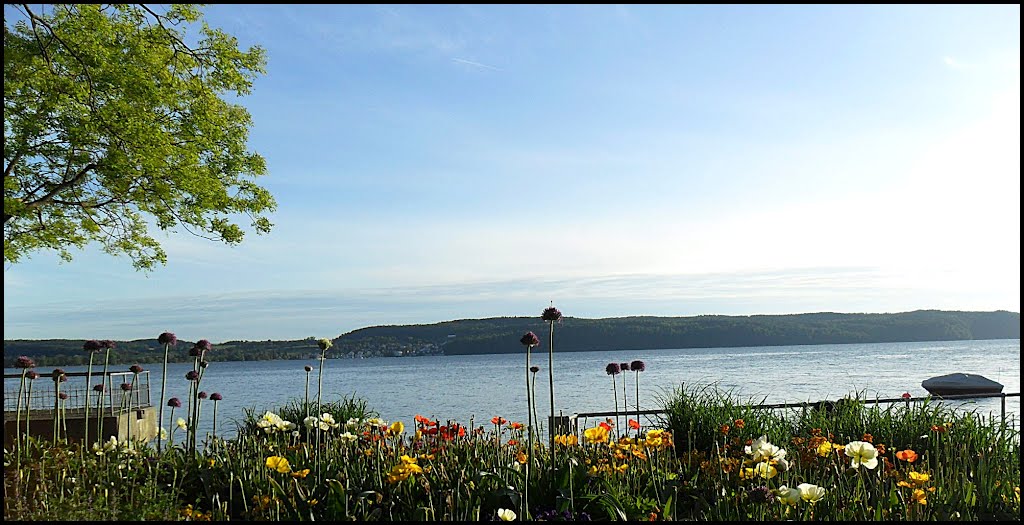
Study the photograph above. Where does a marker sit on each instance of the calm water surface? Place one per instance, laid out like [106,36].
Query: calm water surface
[479,387]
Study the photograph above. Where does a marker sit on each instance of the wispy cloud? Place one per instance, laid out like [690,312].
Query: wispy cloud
[294,314]
[954,63]
[476,64]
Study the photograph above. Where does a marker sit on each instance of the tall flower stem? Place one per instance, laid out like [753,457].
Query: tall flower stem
[615,393]
[551,386]
[17,421]
[28,407]
[163,389]
[88,390]
[106,388]
[529,428]
[625,405]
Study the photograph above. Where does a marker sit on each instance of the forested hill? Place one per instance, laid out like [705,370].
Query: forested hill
[502,334]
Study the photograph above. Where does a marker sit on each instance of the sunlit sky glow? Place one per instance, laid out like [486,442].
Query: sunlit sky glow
[447,162]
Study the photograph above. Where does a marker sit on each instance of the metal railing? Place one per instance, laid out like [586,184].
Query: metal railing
[122,391]
[574,418]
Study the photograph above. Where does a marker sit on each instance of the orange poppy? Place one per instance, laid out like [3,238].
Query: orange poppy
[516,426]
[634,424]
[498,420]
[907,455]
[605,426]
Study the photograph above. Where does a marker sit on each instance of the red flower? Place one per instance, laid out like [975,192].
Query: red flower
[498,420]
[634,424]
[906,395]
[605,426]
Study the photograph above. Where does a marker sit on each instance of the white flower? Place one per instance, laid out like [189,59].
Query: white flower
[376,422]
[788,495]
[862,453]
[810,493]
[507,514]
[182,424]
[163,433]
[352,423]
[327,422]
[762,450]
[310,422]
[348,437]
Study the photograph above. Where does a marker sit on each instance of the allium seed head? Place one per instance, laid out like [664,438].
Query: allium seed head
[612,369]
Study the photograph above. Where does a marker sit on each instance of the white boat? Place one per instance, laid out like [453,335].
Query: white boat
[961,384]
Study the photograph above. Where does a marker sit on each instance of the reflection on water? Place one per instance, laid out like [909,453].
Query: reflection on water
[479,387]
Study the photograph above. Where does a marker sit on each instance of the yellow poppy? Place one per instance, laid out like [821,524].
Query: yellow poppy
[279,464]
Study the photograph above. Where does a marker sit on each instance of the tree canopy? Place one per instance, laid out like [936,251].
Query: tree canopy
[117,120]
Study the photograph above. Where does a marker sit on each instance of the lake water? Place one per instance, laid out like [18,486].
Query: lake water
[459,388]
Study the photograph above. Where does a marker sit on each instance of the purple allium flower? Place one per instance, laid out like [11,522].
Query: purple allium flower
[551,314]
[203,345]
[535,369]
[174,402]
[92,345]
[24,361]
[192,375]
[612,369]
[63,395]
[202,395]
[167,338]
[32,374]
[194,351]
[624,367]
[530,339]
[216,396]
[308,368]
[126,386]
[135,369]
[761,494]
[107,344]
[57,374]
[99,388]
[637,366]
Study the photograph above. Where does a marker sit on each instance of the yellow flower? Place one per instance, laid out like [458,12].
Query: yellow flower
[639,453]
[279,464]
[521,458]
[919,477]
[824,449]
[396,428]
[920,496]
[407,460]
[567,440]
[300,473]
[765,470]
[596,435]
[621,469]
[506,514]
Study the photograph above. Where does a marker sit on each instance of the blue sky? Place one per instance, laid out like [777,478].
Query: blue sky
[447,162]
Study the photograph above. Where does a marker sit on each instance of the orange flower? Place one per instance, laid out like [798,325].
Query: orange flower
[739,423]
[516,426]
[867,437]
[512,442]
[634,424]
[880,448]
[421,420]
[938,428]
[907,455]
[497,420]
[724,429]
[605,426]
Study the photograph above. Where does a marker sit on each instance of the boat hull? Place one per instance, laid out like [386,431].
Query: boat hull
[960,385]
